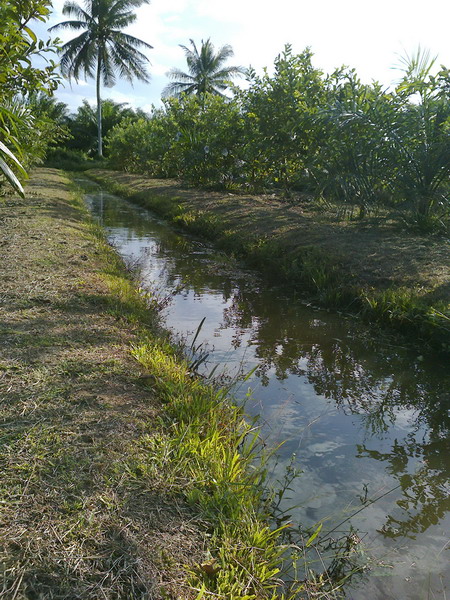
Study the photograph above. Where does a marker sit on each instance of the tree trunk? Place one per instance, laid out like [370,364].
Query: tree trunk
[99,105]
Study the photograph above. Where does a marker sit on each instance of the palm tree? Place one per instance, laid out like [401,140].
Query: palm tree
[206,71]
[41,104]
[103,49]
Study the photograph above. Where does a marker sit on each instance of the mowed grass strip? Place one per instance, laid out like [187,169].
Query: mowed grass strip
[121,474]
[74,522]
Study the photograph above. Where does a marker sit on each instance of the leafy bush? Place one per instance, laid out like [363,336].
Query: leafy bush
[69,160]
[197,140]
[141,146]
[354,144]
[280,133]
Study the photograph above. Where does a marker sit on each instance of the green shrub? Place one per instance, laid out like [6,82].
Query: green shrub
[68,160]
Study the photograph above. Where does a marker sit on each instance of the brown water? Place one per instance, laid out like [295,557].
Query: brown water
[364,416]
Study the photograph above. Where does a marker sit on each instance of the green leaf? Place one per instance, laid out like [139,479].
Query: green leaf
[7,171]
[31,34]
[314,535]
[8,152]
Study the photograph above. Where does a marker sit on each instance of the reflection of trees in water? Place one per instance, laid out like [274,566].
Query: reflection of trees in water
[425,493]
[379,384]
[372,382]
[196,267]
[189,261]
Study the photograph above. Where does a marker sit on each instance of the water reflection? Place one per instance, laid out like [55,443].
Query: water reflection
[425,492]
[360,414]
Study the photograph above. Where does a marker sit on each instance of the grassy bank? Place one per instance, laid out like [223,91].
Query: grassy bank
[372,267]
[123,475]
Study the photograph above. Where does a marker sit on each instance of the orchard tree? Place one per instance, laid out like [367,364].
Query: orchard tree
[278,110]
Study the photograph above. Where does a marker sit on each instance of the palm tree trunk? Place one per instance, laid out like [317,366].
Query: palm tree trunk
[99,105]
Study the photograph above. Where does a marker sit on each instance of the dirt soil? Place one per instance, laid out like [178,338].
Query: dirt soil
[377,253]
[74,522]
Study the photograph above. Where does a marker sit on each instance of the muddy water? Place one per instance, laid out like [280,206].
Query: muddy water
[364,417]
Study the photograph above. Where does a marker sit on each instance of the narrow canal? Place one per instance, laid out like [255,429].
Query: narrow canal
[364,417]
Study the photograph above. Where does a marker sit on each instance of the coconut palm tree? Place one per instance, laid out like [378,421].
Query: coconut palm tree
[207,72]
[102,49]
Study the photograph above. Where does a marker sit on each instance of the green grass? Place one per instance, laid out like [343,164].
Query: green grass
[405,310]
[204,449]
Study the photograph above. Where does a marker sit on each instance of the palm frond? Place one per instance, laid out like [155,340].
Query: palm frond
[127,5]
[206,72]
[417,65]
[75,25]
[106,66]
[131,41]
[78,55]
[177,88]
[72,9]
[175,73]
[224,53]
[129,62]
[6,170]
[230,72]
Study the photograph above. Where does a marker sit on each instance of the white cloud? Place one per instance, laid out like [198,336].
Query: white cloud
[367,36]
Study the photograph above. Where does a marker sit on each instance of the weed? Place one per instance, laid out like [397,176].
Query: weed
[404,309]
[427,223]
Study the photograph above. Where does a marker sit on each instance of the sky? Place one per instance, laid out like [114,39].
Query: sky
[368,36]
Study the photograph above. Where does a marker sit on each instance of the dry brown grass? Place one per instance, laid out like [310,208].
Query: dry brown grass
[74,522]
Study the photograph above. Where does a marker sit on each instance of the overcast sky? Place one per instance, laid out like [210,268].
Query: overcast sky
[369,36]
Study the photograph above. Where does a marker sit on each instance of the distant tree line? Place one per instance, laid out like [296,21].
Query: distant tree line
[299,130]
